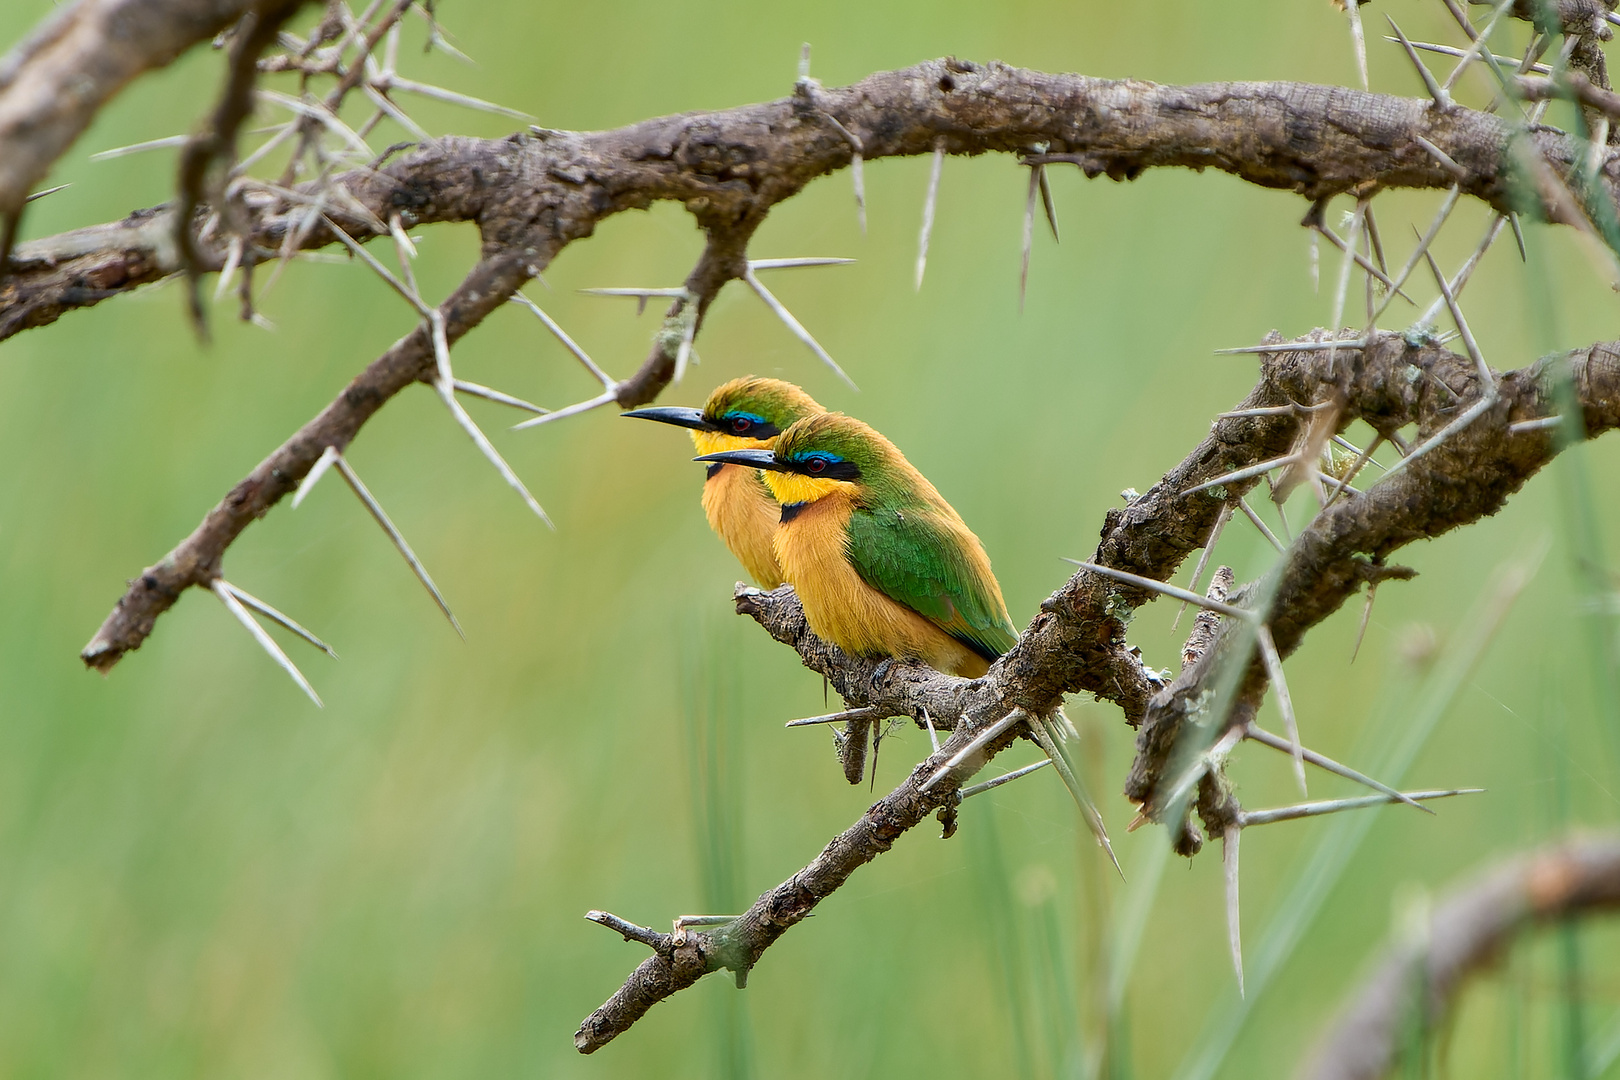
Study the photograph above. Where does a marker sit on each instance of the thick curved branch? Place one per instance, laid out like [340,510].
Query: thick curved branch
[1318,141]
[197,559]
[1391,383]
[1418,981]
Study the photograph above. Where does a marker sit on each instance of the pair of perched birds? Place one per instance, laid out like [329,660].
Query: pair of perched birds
[882,564]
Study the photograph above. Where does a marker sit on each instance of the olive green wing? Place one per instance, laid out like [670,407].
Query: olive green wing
[936,567]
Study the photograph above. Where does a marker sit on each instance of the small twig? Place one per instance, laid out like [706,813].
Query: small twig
[630,931]
[864,713]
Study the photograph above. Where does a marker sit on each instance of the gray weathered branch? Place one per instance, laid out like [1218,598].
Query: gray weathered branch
[729,166]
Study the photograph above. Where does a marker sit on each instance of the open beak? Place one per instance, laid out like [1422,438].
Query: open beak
[679,415]
[751,459]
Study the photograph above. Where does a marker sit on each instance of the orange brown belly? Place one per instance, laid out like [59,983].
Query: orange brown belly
[743,514]
[844,610]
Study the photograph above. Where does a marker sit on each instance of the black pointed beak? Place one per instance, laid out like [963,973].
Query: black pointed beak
[752,459]
[679,415]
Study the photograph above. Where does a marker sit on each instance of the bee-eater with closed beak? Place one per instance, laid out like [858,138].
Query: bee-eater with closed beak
[883,565]
[743,414]
[881,562]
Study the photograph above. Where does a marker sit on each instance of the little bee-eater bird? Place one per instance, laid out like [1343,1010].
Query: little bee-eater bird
[881,562]
[743,414]
[885,567]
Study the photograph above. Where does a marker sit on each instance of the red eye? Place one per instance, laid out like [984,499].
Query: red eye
[741,424]
[816,465]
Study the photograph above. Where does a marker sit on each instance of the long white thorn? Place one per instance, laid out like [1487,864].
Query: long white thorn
[863,713]
[1258,469]
[1276,742]
[1463,275]
[568,343]
[1221,518]
[1333,806]
[1345,266]
[1047,204]
[1082,798]
[1164,588]
[489,394]
[933,736]
[1254,519]
[410,295]
[798,262]
[607,397]
[227,273]
[1358,40]
[928,209]
[372,506]
[316,471]
[1441,98]
[1520,427]
[1029,232]
[279,617]
[1297,346]
[141,147]
[1285,702]
[978,743]
[1004,778]
[448,396]
[794,325]
[394,82]
[228,597]
[1473,51]
[1230,838]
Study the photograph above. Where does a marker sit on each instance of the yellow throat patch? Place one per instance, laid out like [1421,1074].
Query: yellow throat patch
[715,442]
[791,488]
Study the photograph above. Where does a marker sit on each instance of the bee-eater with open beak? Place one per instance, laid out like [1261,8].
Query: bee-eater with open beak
[883,566]
[743,414]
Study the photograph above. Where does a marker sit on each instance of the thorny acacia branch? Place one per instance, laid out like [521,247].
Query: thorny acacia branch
[1421,975]
[1318,141]
[56,80]
[532,194]
[1077,642]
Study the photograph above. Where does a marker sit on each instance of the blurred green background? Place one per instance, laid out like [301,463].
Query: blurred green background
[203,875]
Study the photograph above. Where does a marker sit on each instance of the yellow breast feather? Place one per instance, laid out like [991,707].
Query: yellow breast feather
[811,549]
